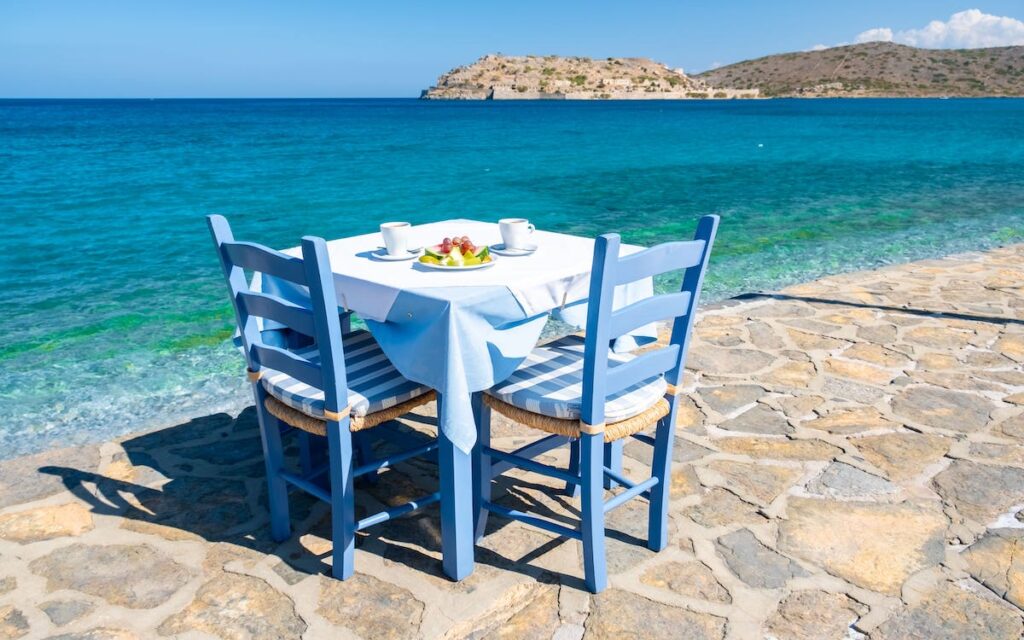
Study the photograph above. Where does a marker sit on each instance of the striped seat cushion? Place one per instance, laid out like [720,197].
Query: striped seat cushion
[373,382]
[550,382]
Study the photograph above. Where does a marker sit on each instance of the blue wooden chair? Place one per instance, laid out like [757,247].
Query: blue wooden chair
[580,392]
[335,386]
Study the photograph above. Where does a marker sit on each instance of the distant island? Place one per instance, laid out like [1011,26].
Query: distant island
[879,69]
[500,77]
[874,69]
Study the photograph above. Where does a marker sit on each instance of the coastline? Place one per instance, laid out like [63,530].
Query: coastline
[815,418]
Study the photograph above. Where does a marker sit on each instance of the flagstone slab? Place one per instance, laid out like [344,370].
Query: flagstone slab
[760,482]
[689,418]
[38,476]
[878,333]
[760,420]
[847,421]
[814,614]
[46,523]
[937,361]
[859,371]
[208,507]
[13,623]
[233,606]
[620,614]
[1011,346]
[840,480]
[791,374]
[689,579]
[781,310]
[682,451]
[875,546]
[779,448]
[815,342]
[684,481]
[997,452]
[902,455]
[980,491]
[953,612]
[370,607]
[718,360]
[719,508]
[1013,427]
[763,335]
[536,620]
[100,633]
[730,398]
[878,355]
[943,409]
[133,576]
[938,337]
[62,612]
[754,563]
[799,407]
[997,561]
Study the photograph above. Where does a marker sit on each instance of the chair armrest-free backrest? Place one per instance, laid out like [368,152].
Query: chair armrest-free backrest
[604,324]
[321,322]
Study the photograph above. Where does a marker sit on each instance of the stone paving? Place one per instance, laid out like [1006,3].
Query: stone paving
[849,464]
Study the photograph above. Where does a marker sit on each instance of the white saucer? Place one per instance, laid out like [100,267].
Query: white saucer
[502,251]
[382,254]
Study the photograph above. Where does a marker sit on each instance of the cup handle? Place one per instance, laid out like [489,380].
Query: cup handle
[531,227]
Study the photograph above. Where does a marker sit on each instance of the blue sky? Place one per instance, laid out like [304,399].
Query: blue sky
[187,48]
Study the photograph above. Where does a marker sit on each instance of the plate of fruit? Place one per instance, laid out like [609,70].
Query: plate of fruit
[457,252]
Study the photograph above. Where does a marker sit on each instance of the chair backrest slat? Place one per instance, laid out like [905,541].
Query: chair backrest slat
[321,322]
[287,362]
[610,270]
[256,257]
[662,258]
[648,310]
[277,309]
[643,367]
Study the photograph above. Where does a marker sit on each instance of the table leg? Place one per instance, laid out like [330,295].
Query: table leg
[456,505]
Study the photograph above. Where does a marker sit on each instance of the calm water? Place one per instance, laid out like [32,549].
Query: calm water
[113,317]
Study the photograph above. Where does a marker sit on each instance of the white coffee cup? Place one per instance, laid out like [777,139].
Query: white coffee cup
[396,237]
[515,232]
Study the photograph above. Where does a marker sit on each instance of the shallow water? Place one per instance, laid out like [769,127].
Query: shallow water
[113,316]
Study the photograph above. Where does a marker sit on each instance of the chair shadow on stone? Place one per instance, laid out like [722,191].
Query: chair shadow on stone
[205,478]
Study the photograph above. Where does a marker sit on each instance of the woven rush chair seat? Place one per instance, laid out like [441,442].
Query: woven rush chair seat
[571,428]
[546,393]
[374,385]
[318,426]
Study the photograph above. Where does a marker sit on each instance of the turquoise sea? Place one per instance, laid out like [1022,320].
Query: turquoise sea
[114,318]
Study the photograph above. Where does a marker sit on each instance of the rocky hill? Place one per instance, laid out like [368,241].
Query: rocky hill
[879,69]
[499,77]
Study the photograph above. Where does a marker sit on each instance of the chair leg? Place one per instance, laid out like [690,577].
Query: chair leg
[273,458]
[481,465]
[343,519]
[592,462]
[571,488]
[661,468]
[613,460]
